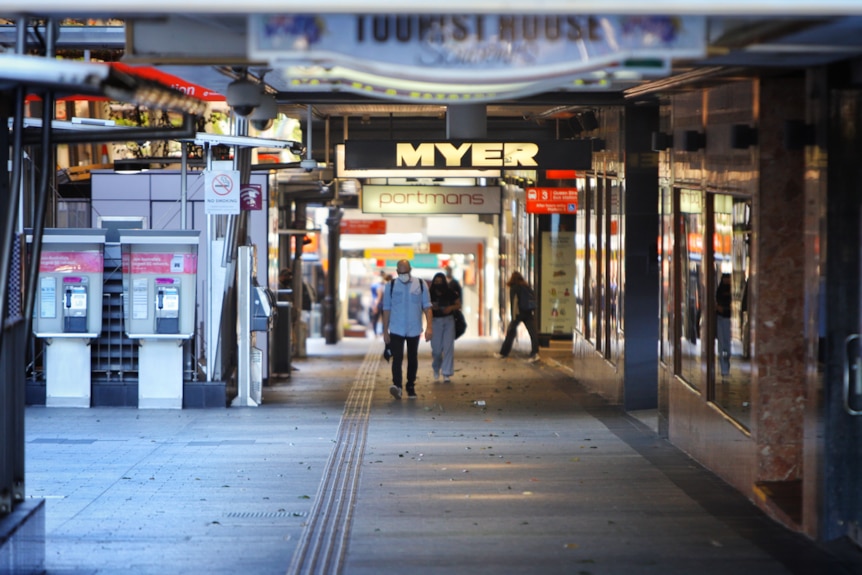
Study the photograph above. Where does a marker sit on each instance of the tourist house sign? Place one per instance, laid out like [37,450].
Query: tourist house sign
[460,54]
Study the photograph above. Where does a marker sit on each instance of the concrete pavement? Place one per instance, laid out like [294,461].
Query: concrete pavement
[512,468]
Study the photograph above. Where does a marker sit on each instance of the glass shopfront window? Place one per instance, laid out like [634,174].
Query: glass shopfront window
[731,255]
[691,278]
[596,271]
[614,269]
[665,251]
[581,258]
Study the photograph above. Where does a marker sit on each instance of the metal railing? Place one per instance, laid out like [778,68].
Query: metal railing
[12,369]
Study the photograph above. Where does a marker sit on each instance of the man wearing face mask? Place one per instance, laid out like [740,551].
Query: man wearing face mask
[405,301]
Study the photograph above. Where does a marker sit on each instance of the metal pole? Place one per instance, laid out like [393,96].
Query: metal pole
[184,185]
[7,226]
[330,302]
[212,336]
[46,174]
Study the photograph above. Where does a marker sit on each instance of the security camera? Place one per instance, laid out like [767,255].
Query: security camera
[308,164]
[262,116]
[243,96]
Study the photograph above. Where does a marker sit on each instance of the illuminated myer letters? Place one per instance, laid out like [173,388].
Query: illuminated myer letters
[482,154]
[461,154]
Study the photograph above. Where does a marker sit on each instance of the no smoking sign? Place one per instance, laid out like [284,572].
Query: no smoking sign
[221,192]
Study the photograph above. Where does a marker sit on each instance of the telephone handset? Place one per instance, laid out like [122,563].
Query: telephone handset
[167,305]
[75,305]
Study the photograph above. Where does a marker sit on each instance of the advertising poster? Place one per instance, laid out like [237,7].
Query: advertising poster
[558,282]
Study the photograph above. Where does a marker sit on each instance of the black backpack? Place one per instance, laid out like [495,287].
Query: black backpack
[526,299]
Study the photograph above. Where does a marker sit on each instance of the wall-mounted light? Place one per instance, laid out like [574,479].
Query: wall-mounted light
[661,141]
[798,134]
[588,120]
[743,136]
[693,140]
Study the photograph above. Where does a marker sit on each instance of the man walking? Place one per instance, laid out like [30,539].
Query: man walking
[405,301]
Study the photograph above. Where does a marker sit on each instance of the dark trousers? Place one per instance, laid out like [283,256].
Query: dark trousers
[396,344]
[529,321]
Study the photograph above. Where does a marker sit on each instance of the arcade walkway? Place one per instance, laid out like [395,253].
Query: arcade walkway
[331,475]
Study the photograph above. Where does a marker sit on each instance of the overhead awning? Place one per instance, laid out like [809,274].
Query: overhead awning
[149,74]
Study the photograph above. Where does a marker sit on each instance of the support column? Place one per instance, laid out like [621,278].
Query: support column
[779,266]
[640,390]
[464,121]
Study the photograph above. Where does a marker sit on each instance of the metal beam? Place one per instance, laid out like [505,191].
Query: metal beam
[74,37]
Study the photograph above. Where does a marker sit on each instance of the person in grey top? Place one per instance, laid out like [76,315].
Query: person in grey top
[405,301]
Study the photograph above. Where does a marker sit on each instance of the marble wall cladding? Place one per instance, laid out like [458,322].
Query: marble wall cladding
[593,371]
[779,289]
[687,115]
[771,447]
[728,168]
[771,450]
[709,436]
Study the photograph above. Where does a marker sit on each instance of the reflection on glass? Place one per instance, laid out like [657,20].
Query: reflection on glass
[613,278]
[691,279]
[593,203]
[732,329]
[580,257]
[666,261]
[597,269]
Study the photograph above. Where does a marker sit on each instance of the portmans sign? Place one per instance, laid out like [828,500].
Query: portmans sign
[393,154]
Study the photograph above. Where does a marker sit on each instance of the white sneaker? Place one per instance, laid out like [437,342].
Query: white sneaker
[500,355]
[534,358]
[395,391]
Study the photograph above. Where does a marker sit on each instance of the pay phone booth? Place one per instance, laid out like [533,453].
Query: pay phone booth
[68,311]
[159,283]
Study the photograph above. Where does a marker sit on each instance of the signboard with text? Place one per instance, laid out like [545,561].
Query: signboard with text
[221,192]
[90,261]
[460,154]
[396,253]
[470,56]
[431,199]
[364,227]
[557,283]
[552,200]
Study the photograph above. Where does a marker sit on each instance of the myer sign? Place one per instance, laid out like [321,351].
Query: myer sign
[388,154]
[430,199]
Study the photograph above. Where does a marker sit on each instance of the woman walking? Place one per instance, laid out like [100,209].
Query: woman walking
[445,299]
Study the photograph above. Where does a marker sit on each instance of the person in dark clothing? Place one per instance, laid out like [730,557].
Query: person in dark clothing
[523,304]
[285,282]
[376,310]
[723,298]
[445,299]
